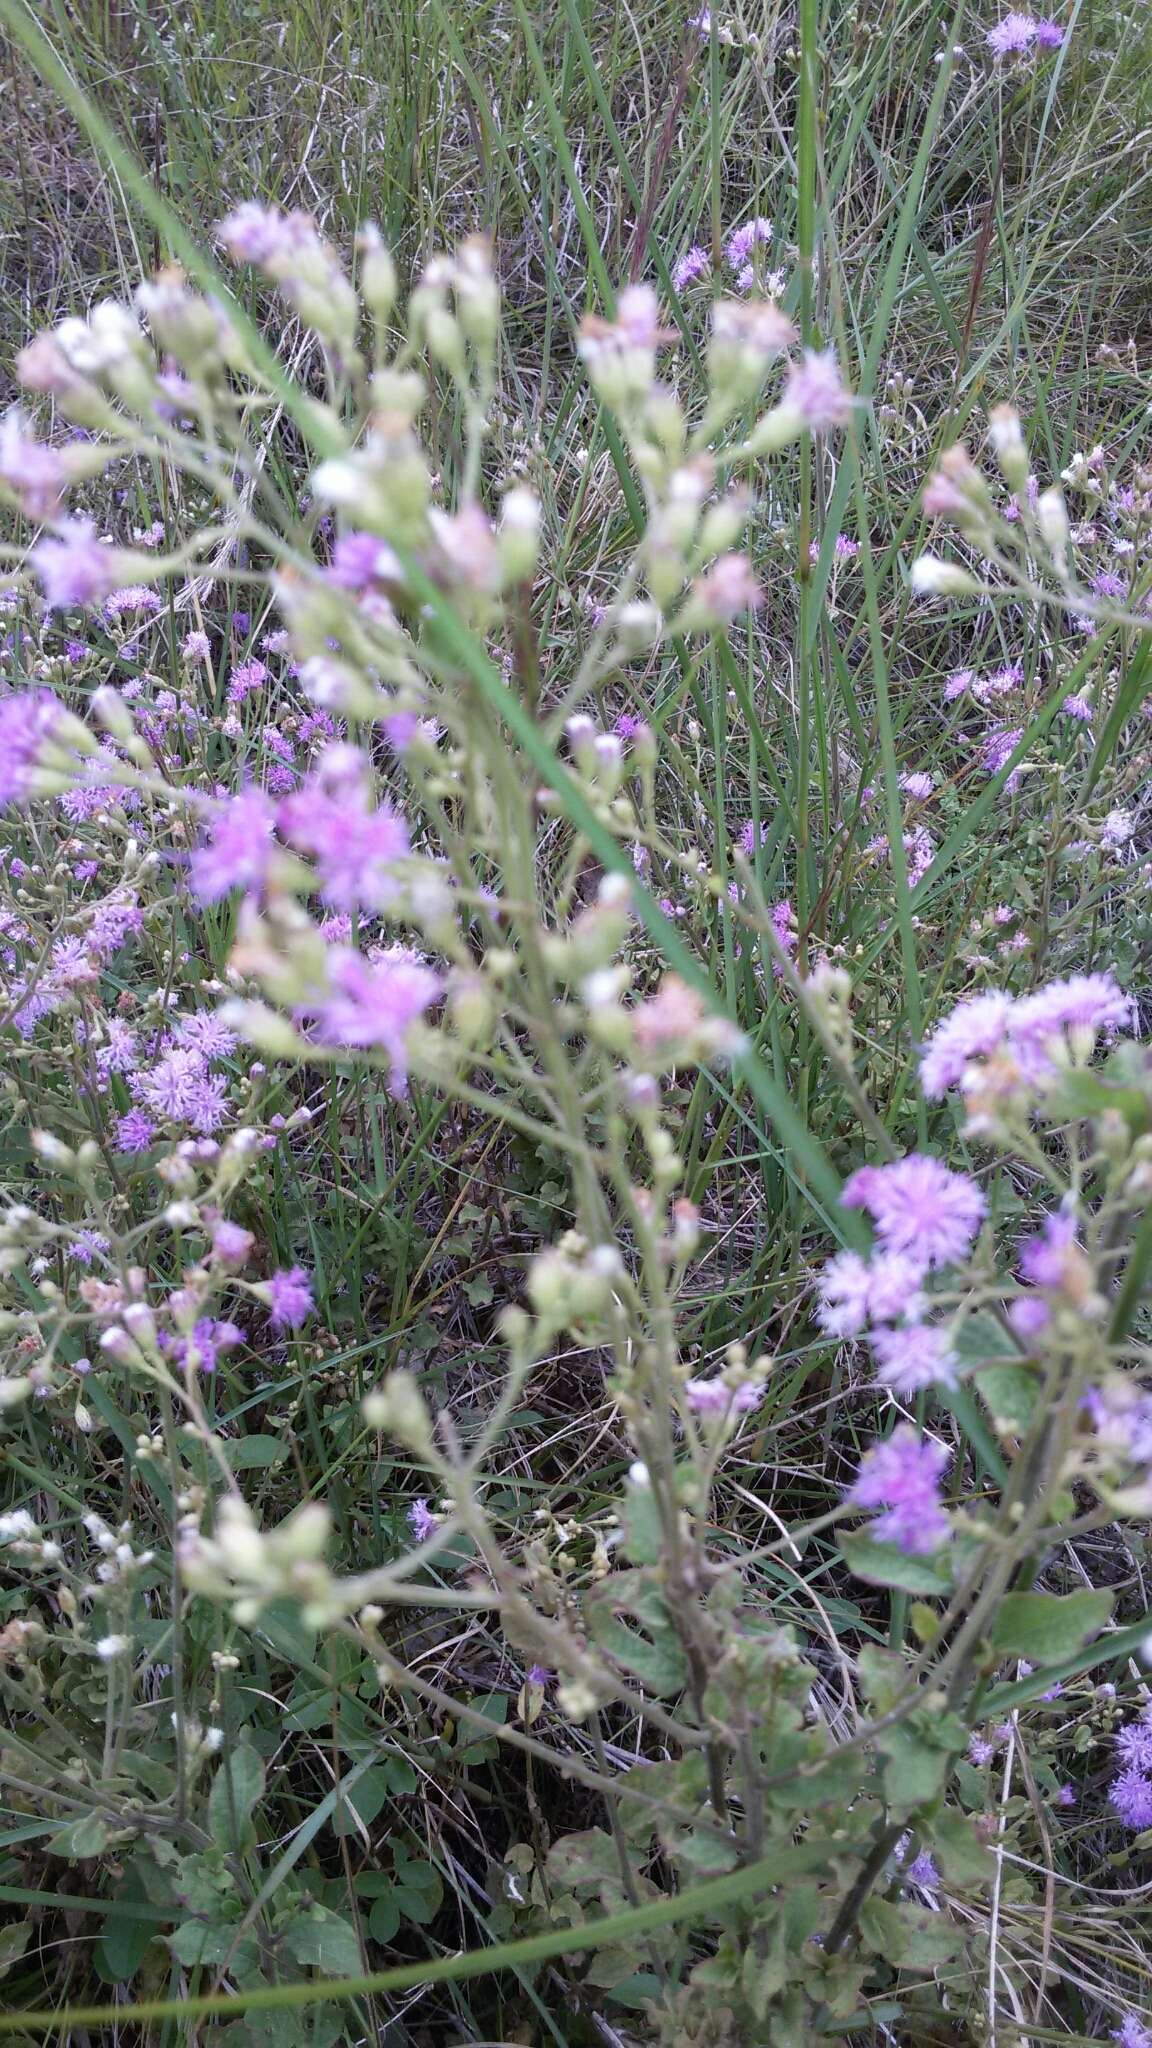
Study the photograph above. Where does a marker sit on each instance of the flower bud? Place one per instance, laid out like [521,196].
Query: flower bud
[933,578]
[377,274]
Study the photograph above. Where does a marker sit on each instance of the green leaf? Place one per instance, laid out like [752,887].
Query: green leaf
[14,1940]
[81,1838]
[363,1803]
[384,1919]
[910,1936]
[236,1789]
[883,1564]
[255,1453]
[281,1627]
[915,1770]
[962,1856]
[324,1941]
[1045,1627]
[215,1941]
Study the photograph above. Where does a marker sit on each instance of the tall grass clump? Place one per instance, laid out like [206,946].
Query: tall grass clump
[577,1103]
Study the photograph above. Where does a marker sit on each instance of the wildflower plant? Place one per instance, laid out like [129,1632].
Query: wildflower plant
[438,877]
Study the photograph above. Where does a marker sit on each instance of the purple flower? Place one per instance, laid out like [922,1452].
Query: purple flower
[196,647]
[32,472]
[1078,707]
[231,1243]
[923,1872]
[974,1029]
[539,1674]
[1065,1795]
[902,1476]
[816,390]
[743,240]
[374,1004]
[692,267]
[1132,2033]
[1044,1259]
[134,1132]
[918,786]
[74,567]
[85,1246]
[290,1300]
[1131,1795]
[918,1206]
[27,723]
[752,836]
[354,848]
[1049,35]
[201,1351]
[239,848]
[998,748]
[246,677]
[1134,1744]
[134,597]
[1013,36]
[359,559]
[1067,1016]
[421,1520]
[960,680]
[1106,583]
[712,1397]
[179,1087]
[856,1291]
[914,1357]
[980,1750]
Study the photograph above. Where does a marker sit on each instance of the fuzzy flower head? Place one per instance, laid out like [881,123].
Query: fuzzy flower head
[73,566]
[239,848]
[919,1207]
[902,1476]
[855,1291]
[1013,36]
[914,1357]
[30,472]
[816,391]
[372,1005]
[741,242]
[692,268]
[974,1029]
[29,720]
[290,1300]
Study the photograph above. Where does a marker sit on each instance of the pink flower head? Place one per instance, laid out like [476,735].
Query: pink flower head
[373,1004]
[353,845]
[1013,36]
[712,1397]
[1132,2033]
[691,269]
[1131,1795]
[32,472]
[1066,1018]
[726,589]
[360,559]
[421,1520]
[913,1358]
[902,1475]
[856,1291]
[28,720]
[246,677]
[919,1206]
[74,567]
[974,1029]
[743,240]
[1049,35]
[290,1300]
[1044,1260]
[231,1243]
[816,390]
[134,1132]
[239,849]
